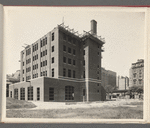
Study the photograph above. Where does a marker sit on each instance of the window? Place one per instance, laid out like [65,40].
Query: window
[33,76]
[134,75]
[41,73]
[37,46]
[74,62]
[33,58]
[11,94]
[98,78]
[64,48]
[52,48]
[45,62]
[98,53]
[22,93]
[98,91]
[36,74]
[83,52]
[97,66]
[53,60]
[30,93]
[64,59]
[23,79]
[53,72]
[84,74]
[33,67]
[134,81]
[69,61]
[69,50]
[45,73]
[97,72]
[74,74]
[45,52]
[23,63]
[33,48]
[41,54]
[69,93]
[51,93]
[23,71]
[38,93]
[41,43]
[69,73]
[74,52]
[64,72]
[16,93]
[52,36]
[41,64]
[83,62]
[45,40]
[37,66]
[97,84]
[140,81]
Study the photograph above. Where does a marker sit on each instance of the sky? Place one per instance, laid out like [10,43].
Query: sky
[122,28]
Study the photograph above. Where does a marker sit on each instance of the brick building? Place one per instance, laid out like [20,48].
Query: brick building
[61,66]
[136,73]
[108,77]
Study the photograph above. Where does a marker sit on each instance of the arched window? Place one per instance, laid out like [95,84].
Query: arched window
[69,93]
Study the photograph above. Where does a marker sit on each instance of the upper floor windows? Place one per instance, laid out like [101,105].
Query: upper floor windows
[64,59]
[74,52]
[64,48]
[28,51]
[64,36]
[69,39]
[43,42]
[43,53]
[53,72]
[52,36]
[83,52]
[28,61]
[35,47]
[53,60]
[69,73]
[52,48]
[69,61]
[74,41]
[69,50]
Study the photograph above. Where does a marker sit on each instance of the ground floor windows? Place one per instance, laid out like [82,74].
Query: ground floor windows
[83,92]
[16,93]
[69,93]
[38,93]
[11,94]
[30,93]
[22,93]
[51,93]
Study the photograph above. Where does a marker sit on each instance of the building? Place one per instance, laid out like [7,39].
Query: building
[136,73]
[62,66]
[123,83]
[11,79]
[108,77]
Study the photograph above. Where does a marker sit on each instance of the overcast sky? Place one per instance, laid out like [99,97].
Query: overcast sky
[123,31]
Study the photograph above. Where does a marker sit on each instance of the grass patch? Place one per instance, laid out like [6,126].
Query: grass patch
[14,103]
[82,113]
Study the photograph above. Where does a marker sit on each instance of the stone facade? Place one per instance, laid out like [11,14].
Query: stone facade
[136,76]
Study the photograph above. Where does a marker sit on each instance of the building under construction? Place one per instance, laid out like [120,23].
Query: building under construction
[61,66]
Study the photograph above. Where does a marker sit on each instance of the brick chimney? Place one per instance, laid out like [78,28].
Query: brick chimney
[93,27]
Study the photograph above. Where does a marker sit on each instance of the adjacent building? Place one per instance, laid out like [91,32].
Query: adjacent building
[108,77]
[123,83]
[136,73]
[61,66]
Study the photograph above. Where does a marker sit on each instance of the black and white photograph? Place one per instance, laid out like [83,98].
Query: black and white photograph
[74,64]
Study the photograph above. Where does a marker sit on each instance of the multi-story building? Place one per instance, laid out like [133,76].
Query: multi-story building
[108,77]
[123,83]
[62,66]
[136,73]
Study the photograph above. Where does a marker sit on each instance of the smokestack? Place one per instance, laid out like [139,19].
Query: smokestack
[93,27]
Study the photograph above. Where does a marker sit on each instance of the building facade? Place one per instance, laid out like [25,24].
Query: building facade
[61,66]
[108,77]
[123,83]
[136,73]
